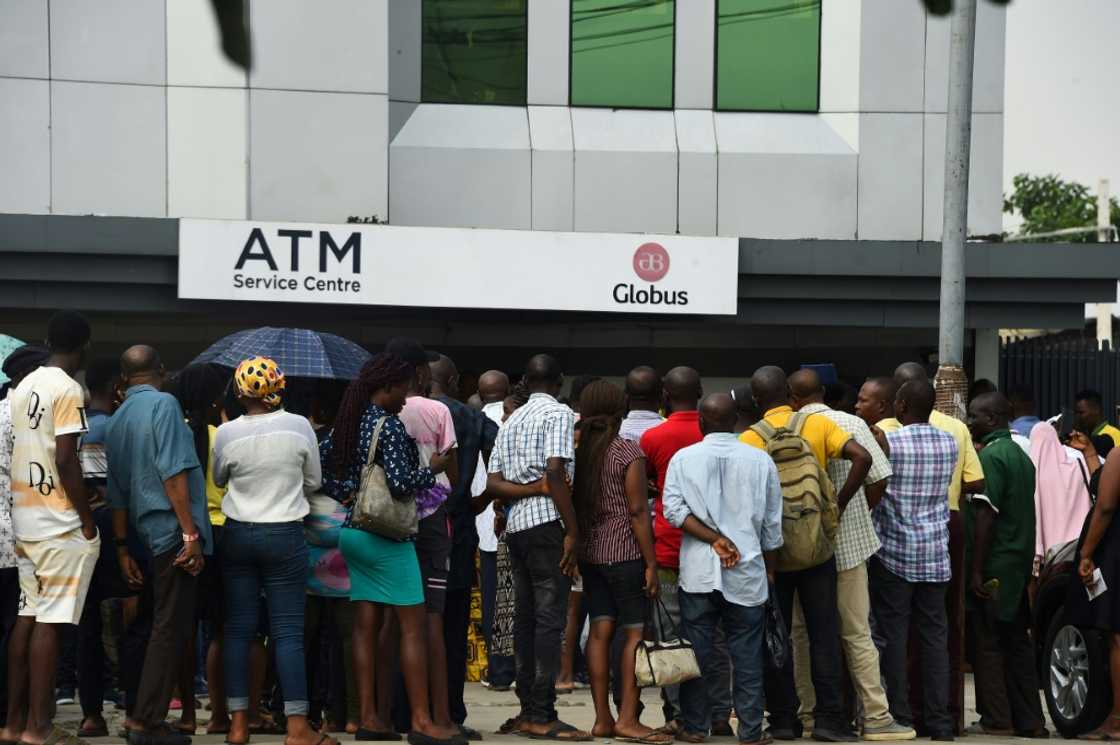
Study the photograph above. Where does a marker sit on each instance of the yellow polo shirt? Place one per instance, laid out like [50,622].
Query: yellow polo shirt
[968,462]
[824,436]
[1107,429]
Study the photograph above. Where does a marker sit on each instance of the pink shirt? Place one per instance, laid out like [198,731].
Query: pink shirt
[429,423]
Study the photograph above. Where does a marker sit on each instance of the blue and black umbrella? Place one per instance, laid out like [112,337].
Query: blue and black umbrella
[300,353]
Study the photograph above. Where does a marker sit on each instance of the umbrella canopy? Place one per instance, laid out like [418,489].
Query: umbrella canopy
[8,344]
[301,353]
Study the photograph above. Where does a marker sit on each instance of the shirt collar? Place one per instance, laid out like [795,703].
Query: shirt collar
[1100,427]
[778,410]
[721,437]
[642,414]
[999,434]
[816,408]
[539,394]
[685,416]
[139,389]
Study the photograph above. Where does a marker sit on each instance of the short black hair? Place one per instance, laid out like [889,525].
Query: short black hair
[919,397]
[102,373]
[542,368]
[68,331]
[1093,397]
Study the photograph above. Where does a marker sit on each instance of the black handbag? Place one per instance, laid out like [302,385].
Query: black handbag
[777,638]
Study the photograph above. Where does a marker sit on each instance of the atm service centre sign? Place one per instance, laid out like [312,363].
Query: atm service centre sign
[457,267]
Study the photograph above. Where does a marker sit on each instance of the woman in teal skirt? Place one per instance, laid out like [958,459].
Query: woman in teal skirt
[384,574]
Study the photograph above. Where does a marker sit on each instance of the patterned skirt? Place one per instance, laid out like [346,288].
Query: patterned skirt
[503,605]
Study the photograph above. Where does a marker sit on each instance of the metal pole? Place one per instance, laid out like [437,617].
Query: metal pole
[952,383]
[1104,235]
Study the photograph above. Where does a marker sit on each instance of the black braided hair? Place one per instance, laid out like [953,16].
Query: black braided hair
[603,404]
[198,387]
[380,372]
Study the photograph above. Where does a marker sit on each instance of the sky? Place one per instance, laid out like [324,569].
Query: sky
[1062,85]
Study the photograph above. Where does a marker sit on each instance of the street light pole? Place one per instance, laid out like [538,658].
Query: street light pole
[952,382]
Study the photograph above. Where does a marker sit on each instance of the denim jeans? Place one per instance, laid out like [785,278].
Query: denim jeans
[541,596]
[272,557]
[816,587]
[701,616]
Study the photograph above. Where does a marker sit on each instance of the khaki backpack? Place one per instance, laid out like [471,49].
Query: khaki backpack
[809,511]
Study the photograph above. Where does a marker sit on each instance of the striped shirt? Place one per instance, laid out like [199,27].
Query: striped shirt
[913,519]
[542,429]
[611,537]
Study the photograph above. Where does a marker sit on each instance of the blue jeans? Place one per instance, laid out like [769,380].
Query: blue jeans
[744,628]
[272,556]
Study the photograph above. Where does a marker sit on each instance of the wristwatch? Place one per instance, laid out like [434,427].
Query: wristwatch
[190,537]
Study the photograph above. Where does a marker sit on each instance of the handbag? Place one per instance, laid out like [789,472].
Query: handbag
[375,509]
[666,661]
[777,639]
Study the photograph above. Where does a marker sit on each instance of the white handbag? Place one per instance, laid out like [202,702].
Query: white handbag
[667,661]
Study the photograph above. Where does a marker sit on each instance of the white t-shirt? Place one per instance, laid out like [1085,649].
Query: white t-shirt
[47,404]
[270,463]
[484,522]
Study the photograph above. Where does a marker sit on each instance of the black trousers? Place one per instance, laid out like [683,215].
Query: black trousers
[541,598]
[1003,664]
[456,620]
[816,587]
[154,643]
[896,603]
[9,608]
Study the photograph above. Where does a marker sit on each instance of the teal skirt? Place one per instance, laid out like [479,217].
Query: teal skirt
[381,570]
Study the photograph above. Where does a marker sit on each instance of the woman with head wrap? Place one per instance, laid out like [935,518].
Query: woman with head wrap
[1061,492]
[268,460]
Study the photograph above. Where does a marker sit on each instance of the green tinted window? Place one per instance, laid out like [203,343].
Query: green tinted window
[768,55]
[473,51]
[622,53]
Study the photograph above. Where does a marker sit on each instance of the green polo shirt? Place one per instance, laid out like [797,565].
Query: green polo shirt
[1009,489]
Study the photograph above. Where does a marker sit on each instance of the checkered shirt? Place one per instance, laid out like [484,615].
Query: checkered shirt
[856,539]
[913,518]
[541,429]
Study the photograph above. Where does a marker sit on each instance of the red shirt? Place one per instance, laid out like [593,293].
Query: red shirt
[660,444]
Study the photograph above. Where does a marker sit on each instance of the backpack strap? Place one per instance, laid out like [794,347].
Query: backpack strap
[797,422]
[765,430]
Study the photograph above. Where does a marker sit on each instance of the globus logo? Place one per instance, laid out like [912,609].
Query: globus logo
[651,264]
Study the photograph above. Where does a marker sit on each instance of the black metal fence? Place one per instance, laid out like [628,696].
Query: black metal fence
[1056,369]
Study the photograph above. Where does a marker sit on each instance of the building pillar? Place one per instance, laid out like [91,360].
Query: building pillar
[987,355]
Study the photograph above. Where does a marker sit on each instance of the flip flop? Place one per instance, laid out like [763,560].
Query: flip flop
[653,738]
[556,732]
[94,732]
[372,735]
[470,733]
[419,738]
[511,726]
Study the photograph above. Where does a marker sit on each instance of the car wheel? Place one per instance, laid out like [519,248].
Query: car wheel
[1078,689]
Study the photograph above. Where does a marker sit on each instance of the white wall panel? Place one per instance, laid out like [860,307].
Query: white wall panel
[987,78]
[985,178]
[111,41]
[695,54]
[405,21]
[317,156]
[784,176]
[194,49]
[698,174]
[890,176]
[108,149]
[550,132]
[207,166]
[340,45]
[892,57]
[23,38]
[626,171]
[840,55]
[549,31]
[466,166]
[25,148]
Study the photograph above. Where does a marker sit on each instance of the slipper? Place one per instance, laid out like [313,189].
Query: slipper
[470,733]
[419,738]
[371,735]
[59,736]
[693,737]
[653,738]
[565,690]
[557,732]
[511,726]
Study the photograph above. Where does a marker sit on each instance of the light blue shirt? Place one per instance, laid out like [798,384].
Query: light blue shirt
[734,489]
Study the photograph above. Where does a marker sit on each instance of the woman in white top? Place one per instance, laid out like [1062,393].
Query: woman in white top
[269,461]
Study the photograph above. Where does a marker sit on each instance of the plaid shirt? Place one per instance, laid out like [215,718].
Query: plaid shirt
[913,518]
[856,540]
[541,429]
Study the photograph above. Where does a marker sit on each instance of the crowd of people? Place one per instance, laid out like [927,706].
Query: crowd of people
[144,516]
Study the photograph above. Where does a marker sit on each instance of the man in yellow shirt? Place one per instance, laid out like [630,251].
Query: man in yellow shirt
[1090,418]
[816,586]
[968,478]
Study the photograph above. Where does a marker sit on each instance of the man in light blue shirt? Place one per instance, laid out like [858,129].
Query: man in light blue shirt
[727,498]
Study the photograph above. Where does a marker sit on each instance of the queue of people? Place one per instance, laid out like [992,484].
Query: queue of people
[876,531]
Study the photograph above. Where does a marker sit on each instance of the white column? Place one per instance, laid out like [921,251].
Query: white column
[987,355]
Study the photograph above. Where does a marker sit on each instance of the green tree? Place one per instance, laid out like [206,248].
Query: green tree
[1047,203]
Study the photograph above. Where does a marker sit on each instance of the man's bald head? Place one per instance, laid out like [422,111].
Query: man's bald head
[445,375]
[542,374]
[643,389]
[770,387]
[987,413]
[682,389]
[493,386]
[908,371]
[718,413]
[806,388]
[141,363]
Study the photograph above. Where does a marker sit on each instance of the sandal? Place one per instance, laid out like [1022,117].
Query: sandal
[563,732]
[511,726]
[653,738]
[371,735]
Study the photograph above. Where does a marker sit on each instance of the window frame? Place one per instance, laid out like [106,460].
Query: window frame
[672,76]
[525,19]
[716,109]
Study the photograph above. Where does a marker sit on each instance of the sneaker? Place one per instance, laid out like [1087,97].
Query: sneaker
[64,696]
[892,731]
